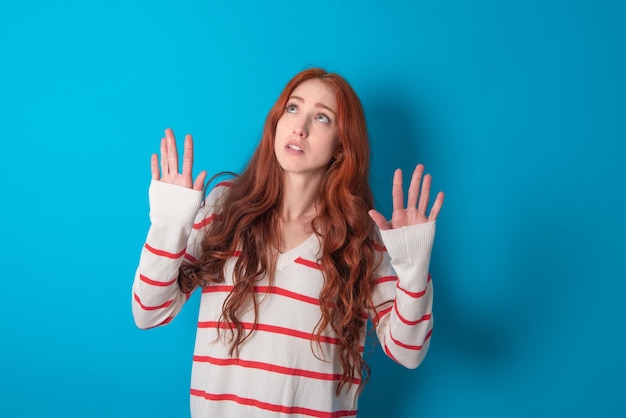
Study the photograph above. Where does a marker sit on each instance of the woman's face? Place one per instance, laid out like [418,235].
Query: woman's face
[306,134]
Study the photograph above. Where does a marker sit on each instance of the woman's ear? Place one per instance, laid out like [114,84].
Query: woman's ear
[338,154]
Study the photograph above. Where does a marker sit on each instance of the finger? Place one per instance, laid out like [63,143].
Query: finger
[414,186]
[172,153]
[424,195]
[199,183]
[188,156]
[154,166]
[164,170]
[397,194]
[434,212]
[379,219]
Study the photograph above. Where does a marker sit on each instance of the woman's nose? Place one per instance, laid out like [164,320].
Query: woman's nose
[300,128]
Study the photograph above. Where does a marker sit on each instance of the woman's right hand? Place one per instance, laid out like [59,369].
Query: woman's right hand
[169,163]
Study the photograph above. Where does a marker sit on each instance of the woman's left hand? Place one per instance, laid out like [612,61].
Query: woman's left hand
[417,202]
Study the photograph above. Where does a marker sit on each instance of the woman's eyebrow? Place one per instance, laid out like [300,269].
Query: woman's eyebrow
[316,104]
[326,107]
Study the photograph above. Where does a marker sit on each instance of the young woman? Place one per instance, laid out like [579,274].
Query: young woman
[291,260]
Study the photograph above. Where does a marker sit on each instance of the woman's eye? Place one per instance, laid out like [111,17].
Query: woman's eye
[291,108]
[323,118]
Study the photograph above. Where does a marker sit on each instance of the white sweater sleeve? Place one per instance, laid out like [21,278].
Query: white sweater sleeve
[172,237]
[403,294]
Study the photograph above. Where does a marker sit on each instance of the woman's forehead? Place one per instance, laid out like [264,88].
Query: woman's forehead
[316,91]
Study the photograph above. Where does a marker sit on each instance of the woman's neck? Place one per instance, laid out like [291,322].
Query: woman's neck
[297,210]
[299,195]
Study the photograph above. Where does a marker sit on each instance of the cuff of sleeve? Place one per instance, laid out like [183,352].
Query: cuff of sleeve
[173,202]
[407,242]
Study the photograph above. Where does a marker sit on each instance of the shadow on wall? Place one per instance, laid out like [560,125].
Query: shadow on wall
[394,129]
[399,138]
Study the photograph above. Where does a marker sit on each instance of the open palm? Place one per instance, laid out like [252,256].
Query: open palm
[169,163]
[415,211]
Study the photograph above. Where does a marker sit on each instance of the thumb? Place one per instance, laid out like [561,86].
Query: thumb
[379,219]
[198,184]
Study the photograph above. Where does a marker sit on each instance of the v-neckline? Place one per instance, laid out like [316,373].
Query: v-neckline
[287,257]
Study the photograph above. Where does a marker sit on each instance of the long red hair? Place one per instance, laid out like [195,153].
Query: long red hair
[249,218]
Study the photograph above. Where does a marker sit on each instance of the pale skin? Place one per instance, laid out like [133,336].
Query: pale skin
[169,163]
[309,123]
[415,212]
[297,208]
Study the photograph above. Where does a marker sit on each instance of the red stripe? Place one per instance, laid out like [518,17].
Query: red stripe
[413,294]
[165,322]
[389,354]
[308,263]
[152,308]
[223,184]
[155,283]
[406,321]
[380,314]
[270,407]
[292,295]
[207,221]
[411,347]
[215,289]
[266,289]
[190,257]
[274,368]
[164,253]
[379,247]
[385,279]
[273,329]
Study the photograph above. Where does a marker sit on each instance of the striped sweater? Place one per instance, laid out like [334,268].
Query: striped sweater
[279,372]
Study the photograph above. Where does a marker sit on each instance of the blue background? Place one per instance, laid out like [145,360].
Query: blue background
[517,109]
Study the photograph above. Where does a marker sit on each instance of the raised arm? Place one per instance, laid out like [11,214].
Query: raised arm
[175,200]
[403,293]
